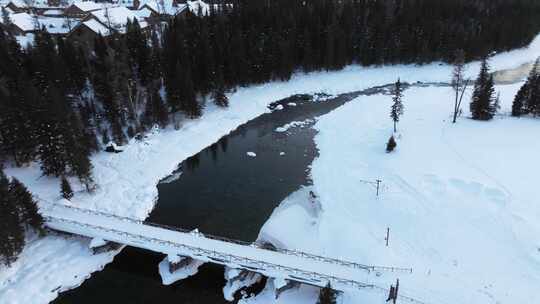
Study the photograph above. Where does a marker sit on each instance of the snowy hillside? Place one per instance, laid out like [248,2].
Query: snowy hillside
[460,200]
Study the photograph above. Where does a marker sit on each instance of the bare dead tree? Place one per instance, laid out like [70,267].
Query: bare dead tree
[108,19]
[459,83]
[68,22]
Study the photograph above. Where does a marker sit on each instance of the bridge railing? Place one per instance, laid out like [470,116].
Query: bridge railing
[225,258]
[224,239]
[309,277]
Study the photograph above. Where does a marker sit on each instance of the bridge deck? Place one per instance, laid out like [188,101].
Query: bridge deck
[278,264]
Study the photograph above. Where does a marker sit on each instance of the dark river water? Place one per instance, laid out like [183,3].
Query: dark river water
[221,191]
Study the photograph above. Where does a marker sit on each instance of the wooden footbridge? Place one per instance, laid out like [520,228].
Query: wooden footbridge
[286,264]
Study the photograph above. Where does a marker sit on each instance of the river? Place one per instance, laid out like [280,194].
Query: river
[220,191]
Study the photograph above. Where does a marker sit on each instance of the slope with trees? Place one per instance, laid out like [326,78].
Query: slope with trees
[61,102]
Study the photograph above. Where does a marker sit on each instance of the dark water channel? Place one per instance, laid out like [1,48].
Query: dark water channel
[221,191]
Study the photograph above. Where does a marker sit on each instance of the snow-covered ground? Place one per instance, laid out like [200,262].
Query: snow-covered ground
[48,266]
[188,270]
[460,200]
[127,181]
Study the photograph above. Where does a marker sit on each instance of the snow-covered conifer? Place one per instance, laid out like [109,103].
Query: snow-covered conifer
[397,105]
[391,145]
[483,105]
[65,189]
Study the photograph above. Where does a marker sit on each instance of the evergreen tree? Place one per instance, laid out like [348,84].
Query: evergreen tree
[51,149]
[527,99]
[218,95]
[154,65]
[139,50]
[220,98]
[105,139]
[155,111]
[533,103]
[532,100]
[26,206]
[11,230]
[397,105]
[173,80]
[189,102]
[81,167]
[17,95]
[108,86]
[160,110]
[327,295]
[76,65]
[483,105]
[520,100]
[391,145]
[65,189]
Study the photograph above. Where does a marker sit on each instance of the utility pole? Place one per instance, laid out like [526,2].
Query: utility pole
[387,235]
[393,293]
[397,291]
[378,185]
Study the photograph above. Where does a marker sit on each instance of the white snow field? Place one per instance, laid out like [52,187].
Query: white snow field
[460,200]
[127,181]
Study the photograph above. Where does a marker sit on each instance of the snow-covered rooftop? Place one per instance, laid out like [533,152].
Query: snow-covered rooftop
[143,13]
[27,23]
[165,7]
[53,12]
[34,3]
[88,6]
[169,7]
[114,15]
[97,27]
[23,21]
[58,25]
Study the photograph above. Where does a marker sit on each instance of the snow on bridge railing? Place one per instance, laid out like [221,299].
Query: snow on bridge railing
[218,238]
[309,277]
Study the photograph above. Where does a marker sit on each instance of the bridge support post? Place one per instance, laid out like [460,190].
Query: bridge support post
[174,268]
[241,283]
[282,285]
[100,245]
